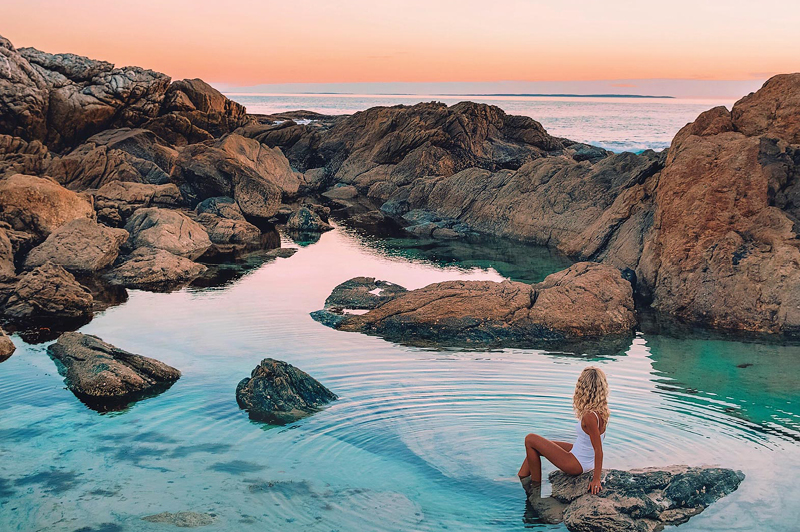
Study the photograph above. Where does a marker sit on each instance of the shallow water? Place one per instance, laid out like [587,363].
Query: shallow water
[616,124]
[420,439]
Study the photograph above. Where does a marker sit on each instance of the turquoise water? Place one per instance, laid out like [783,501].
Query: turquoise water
[420,439]
[616,124]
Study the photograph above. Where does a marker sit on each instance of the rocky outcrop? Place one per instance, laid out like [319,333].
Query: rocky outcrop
[229,236]
[117,201]
[38,205]
[252,174]
[24,96]
[169,230]
[584,301]
[279,393]
[193,111]
[362,293]
[644,500]
[130,155]
[80,246]
[7,269]
[48,293]
[18,156]
[153,269]
[106,377]
[7,347]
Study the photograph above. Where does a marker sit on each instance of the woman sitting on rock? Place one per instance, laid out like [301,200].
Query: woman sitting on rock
[591,407]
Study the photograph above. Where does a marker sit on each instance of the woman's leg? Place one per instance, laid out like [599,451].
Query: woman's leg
[525,470]
[537,446]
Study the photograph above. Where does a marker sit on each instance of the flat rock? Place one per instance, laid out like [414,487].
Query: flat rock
[587,300]
[105,376]
[169,230]
[153,269]
[118,200]
[48,292]
[642,500]
[279,393]
[38,205]
[362,293]
[80,246]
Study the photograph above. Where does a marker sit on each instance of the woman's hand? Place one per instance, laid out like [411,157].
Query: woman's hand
[595,486]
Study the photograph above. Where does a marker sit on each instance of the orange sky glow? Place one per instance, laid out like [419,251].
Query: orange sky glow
[248,42]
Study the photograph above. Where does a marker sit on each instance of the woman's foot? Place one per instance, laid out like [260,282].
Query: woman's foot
[530,486]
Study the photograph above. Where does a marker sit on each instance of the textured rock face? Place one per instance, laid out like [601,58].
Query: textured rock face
[252,174]
[18,156]
[279,393]
[169,230]
[105,376]
[80,246]
[117,201]
[24,96]
[230,235]
[363,293]
[723,251]
[7,269]
[48,292]
[155,270]
[642,500]
[306,220]
[7,347]
[37,205]
[134,155]
[587,300]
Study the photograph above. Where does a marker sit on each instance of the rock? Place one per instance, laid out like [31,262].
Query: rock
[252,174]
[362,293]
[24,96]
[39,206]
[193,111]
[117,201]
[229,235]
[169,230]
[18,156]
[130,155]
[155,270]
[48,292]
[80,246]
[7,347]
[7,269]
[222,206]
[181,519]
[104,376]
[587,300]
[642,500]
[771,111]
[279,393]
[306,221]
[341,192]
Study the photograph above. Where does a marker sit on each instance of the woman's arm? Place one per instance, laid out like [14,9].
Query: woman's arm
[591,426]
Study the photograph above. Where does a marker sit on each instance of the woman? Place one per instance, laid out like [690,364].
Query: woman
[591,407]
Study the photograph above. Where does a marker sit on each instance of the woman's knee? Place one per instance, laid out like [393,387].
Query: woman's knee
[532,439]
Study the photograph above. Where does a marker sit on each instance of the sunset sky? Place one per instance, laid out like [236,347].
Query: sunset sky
[252,42]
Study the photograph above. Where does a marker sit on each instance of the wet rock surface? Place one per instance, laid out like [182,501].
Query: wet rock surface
[168,230]
[81,245]
[182,519]
[7,347]
[279,393]
[107,377]
[305,220]
[48,292]
[643,500]
[587,300]
[153,269]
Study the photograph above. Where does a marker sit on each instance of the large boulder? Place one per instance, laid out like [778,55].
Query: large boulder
[153,269]
[222,206]
[306,221]
[194,111]
[254,175]
[587,300]
[24,96]
[7,347]
[169,230]
[125,154]
[229,235]
[117,201]
[643,500]
[80,246]
[279,393]
[19,156]
[38,205]
[104,376]
[46,293]
[362,293]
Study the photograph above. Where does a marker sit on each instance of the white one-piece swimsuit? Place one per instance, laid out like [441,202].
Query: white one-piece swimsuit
[583,449]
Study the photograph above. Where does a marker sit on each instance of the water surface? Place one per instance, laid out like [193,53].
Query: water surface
[420,439]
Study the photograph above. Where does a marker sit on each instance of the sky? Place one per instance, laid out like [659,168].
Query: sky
[243,43]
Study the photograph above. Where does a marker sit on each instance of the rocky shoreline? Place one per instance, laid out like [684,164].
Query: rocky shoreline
[115,178]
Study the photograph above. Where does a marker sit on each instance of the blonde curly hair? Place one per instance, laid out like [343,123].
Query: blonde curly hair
[591,394]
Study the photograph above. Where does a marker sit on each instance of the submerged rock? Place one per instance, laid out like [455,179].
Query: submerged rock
[104,376]
[586,300]
[81,245]
[279,393]
[644,500]
[182,519]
